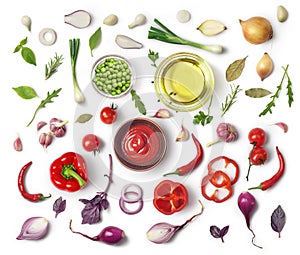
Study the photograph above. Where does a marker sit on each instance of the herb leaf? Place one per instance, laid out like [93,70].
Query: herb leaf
[216,232]
[278,220]
[290,93]
[95,39]
[235,69]
[25,92]
[202,118]
[43,103]
[230,98]
[59,206]
[52,66]
[257,92]
[85,117]
[138,102]
[153,56]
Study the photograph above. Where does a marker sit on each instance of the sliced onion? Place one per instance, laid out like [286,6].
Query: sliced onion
[126,210]
[138,192]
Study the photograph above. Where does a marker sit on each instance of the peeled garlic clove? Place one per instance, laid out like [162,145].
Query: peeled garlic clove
[78,19]
[265,66]
[34,228]
[211,27]
[111,20]
[126,42]
[282,13]
[26,21]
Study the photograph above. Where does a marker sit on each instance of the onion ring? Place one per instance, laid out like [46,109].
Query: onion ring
[125,209]
[125,191]
[46,41]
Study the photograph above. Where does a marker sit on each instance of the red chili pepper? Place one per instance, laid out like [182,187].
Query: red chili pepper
[170,197]
[227,161]
[68,172]
[274,179]
[220,180]
[189,167]
[21,185]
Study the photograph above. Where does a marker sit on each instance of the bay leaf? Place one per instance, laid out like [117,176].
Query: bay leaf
[235,69]
[85,117]
[25,92]
[257,92]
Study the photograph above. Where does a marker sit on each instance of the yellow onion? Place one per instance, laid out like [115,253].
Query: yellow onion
[264,66]
[257,30]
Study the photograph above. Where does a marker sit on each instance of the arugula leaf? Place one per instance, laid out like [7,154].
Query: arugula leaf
[43,103]
[153,56]
[138,103]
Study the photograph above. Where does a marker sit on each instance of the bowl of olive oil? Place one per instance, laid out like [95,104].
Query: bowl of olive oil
[184,81]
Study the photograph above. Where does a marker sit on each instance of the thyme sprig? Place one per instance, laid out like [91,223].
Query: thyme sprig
[52,66]
[230,98]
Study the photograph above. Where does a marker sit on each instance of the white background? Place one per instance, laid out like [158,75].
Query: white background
[16,112]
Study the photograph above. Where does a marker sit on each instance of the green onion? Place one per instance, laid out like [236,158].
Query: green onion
[74,48]
[166,35]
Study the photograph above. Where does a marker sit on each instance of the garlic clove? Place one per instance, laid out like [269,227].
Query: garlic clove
[162,114]
[211,27]
[111,20]
[126,42]
[26,21]
[282,13]
[183,135]
[78,19]
[18,146]
[264,66]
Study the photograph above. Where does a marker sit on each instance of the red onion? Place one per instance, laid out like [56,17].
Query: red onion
[131,197]
[34,228]
[109,235]
[247,205]
[226,133]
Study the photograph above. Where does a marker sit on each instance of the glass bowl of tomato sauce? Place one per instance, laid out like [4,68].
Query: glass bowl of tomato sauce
[140,144]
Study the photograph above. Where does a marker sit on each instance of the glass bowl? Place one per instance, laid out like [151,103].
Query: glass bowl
[112,76]
[140,144]
[184,81]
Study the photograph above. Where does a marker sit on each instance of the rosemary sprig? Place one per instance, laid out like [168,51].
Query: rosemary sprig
[230,98]
[52,66]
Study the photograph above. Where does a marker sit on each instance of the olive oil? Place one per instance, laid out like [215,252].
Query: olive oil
[183,81]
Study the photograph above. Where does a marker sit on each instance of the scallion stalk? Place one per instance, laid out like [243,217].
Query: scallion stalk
[74,48]
[166,35]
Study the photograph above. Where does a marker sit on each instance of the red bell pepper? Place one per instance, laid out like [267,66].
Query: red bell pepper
[170,197]
[69,172]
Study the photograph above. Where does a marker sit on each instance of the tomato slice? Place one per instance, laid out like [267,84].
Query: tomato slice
[170,197]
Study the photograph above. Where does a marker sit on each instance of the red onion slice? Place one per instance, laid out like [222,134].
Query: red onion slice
[131,189]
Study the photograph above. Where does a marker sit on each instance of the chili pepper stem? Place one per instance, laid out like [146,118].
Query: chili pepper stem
[257,187]
[175,172]
[42,197]
[68,172]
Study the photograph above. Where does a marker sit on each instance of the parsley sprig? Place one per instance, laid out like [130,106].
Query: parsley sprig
[203,118]
[153,56]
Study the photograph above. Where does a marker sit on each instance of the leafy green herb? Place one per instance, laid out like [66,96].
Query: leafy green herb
[52,66]
[85,117]
[43,103]
[95,39]
[235,69]
[138,102]
[230,98]
[271,104]
[26,53]
[257,92]
[25,92]
[153,56]
[202,118]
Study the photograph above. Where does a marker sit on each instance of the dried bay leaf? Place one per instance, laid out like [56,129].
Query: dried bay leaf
[235,69]
[257,92]
[85,117]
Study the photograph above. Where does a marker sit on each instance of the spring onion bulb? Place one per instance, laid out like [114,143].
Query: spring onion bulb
[139,20]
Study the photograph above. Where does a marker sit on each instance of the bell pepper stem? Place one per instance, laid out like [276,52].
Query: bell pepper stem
[68,172]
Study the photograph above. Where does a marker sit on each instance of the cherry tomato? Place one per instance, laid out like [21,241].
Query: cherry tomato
[258,156]
[170,197]
[108,114]
[91,142]
[257,136]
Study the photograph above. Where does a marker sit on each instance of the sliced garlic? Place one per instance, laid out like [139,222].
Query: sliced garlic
[183,134]
[211,27]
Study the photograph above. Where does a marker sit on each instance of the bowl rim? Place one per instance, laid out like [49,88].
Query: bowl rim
[204,66]
[116,56]
[140,168]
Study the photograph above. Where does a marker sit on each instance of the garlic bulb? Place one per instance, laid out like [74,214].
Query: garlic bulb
[264,66]
[226,133]
[257,30]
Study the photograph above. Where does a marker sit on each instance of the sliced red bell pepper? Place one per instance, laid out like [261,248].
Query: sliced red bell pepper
[69,172]
[170,197]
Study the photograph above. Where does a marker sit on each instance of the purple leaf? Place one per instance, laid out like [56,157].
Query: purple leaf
[216,232]
[278,219]
[59,206]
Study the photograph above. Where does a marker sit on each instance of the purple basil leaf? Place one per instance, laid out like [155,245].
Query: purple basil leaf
[59,206]
[224,231]
[215,231]
[278,220]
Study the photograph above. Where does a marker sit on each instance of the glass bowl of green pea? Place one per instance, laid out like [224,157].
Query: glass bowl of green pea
[113,76]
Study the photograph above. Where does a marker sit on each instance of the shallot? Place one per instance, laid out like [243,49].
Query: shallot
[264,66]
[34,228]
[78,19]
[126,42]
[109,235]
[226,133]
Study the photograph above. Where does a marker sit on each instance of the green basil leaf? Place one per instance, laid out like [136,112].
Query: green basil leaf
[95,39]
[23,42]
[28,55]
[235,69]
[18,48]
[25,92]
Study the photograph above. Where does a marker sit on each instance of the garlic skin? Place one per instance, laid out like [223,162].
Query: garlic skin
[264,66]
[257,30]
[34,228]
